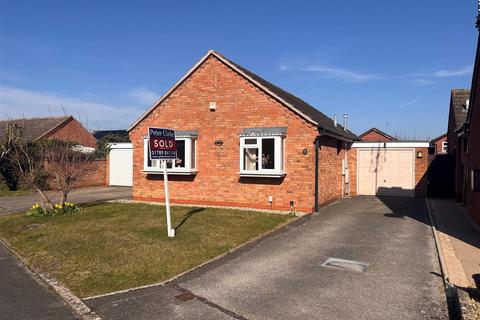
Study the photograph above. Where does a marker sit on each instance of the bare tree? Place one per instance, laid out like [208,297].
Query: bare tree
[12,136]
[63,163]
[67,164]
[28,159]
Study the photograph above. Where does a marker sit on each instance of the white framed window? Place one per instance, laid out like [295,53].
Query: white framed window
[185,163]
[444,147]
[261,156]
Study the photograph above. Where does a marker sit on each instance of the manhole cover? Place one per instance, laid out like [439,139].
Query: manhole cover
[345,264]
[185,296]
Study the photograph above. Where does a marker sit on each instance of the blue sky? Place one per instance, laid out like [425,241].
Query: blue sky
[106,62]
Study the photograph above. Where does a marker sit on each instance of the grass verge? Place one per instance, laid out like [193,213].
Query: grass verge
[114,246]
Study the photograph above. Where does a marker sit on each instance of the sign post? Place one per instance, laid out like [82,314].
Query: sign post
[162,146]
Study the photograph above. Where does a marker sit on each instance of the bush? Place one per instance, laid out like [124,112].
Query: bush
[68,208]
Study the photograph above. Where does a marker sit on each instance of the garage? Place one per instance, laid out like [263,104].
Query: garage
[121,164]
[388,169]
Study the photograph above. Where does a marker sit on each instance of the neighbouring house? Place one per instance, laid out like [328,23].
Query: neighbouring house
[471,134]
[244,142]
[65,128]
[456,141]
[376,135]
[439,144]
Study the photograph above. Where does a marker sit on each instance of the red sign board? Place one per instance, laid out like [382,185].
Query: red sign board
[162,145]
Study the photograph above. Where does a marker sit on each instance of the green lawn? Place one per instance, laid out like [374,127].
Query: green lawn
[8,193]
[113,246]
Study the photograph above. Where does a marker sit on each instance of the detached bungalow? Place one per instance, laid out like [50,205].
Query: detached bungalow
[242,141]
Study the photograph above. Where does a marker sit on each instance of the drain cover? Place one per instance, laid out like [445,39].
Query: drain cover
[185,296]
[345,264]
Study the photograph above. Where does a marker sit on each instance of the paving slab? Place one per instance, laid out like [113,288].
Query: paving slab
[460,241]
[22,297]
[282,277]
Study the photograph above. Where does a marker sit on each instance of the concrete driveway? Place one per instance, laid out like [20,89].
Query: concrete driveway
[15,204]
[282,277]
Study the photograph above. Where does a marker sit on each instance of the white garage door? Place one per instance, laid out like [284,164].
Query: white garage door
[121,164]
[386,171]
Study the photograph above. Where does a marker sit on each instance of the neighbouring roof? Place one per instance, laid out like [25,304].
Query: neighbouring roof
[439,138]
[289,100]
[34,128]
[459,106]
[99,134]
[380,132]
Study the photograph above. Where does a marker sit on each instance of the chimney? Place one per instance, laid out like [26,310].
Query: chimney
[335,120]
[345,116]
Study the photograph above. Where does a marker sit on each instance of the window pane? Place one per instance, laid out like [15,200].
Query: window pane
[180,161]
[250,141]
[161,162]
[268,153]
[192,163]
[250,159]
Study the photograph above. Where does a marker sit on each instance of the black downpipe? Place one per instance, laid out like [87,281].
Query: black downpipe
[317,147]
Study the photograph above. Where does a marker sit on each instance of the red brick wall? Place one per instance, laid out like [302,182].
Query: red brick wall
[239,105]
[330,170]
[438,144]
[72,130]
[98,177]
[375,137]
[352,164]
[421,166]
[473,161]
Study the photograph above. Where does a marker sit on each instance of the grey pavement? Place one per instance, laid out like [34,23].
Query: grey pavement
[15,204]
[282,277]
[22,297]
[464,239]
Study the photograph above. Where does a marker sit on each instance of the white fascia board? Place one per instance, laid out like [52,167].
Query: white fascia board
[120,145]
[397,144]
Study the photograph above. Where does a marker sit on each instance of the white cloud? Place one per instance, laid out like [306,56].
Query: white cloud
[15,103]
[406,104]
[346,75]
[422,82]
[341,74]
[143,95]
[453,72]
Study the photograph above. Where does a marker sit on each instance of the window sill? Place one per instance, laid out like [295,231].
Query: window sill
[262,174]
[172,172]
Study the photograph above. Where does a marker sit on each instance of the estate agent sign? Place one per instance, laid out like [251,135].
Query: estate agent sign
[162,144]
[163,147]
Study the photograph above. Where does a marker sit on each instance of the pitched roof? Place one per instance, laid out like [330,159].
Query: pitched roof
[299,106]
[458,105]
[99,134]
[373,129]
[438,138]
[34,128]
